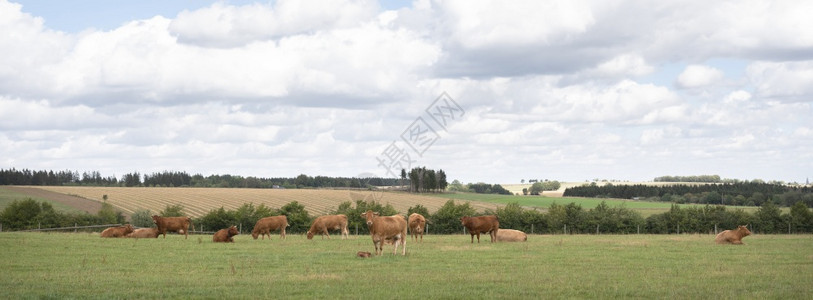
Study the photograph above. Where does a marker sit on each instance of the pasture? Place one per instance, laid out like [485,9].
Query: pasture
[82,265]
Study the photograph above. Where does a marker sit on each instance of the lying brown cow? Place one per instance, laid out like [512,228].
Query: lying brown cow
[225,235]
[381,228]
[417,224]
[142,233]
[363,254]
[264,226]
[118,231]
[173,224]
[481,224]
[511,235]
[733,236]
[329,222]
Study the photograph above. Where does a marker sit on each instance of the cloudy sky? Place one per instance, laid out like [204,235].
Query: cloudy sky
[487,91]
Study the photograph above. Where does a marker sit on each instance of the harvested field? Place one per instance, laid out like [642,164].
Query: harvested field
[199,201]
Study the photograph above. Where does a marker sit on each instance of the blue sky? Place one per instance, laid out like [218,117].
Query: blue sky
[566,90]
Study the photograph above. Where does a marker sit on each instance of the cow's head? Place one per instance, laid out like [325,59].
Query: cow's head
[128,229]
[743,230]
[255,233]
[310,235]
[369,216]
[463,220]
[233,231]
[155,219]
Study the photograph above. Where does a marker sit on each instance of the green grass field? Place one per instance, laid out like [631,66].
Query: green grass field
[82,265]
[646,208]
[7,197]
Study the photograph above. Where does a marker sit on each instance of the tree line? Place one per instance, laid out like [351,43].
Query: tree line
[740,193]
[569,218]
[184,179]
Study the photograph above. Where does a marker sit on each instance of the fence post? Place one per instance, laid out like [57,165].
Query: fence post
[715,229]
[532,228]
[639,229]
[597,229]
[75,229]
[1,227]
[357,229]
[678,229]
[565,230]
[427,228]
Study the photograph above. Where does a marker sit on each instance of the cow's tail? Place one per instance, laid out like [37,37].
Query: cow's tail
[191,224]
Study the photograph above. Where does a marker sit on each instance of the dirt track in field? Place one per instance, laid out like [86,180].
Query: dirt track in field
[79,203]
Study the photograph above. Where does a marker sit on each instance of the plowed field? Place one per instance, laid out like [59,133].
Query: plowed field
[199,201]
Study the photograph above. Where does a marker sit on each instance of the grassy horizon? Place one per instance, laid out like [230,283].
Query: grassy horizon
[82,265]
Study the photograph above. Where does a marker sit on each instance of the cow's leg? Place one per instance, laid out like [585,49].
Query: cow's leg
[403,243]
[478,237]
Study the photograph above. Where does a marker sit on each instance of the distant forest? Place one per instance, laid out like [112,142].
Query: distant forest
[181,179]
[741,193]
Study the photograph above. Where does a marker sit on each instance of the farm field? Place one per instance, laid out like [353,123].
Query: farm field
[645,208]
[82,265]
[199,201]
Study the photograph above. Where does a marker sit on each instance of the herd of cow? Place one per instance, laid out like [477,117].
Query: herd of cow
[392,229]
[382,229]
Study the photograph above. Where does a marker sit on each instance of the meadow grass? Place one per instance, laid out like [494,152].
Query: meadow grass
[82,265]
[646,208]
[8,196]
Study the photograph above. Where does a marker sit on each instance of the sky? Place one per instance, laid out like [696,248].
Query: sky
[488,91]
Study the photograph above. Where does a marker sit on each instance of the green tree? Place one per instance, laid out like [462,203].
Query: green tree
[172,211]
[142,218]
[801,218]
[446,219]
[298,217]
[21,214]
[768,218]
[108,215]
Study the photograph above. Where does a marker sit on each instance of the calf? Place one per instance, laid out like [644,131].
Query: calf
[264,227]
[225,235]
[417,224]
[481,224]
[173,224]
[511,235]
[363,254]
[144,233]
[330,222]
[733,236]
[116,232]
[381,228]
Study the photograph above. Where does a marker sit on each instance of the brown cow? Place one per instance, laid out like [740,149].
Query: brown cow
[417,224]
[511,235]
[225,235]
[329,222]
[733,236]
[144,233]
[118,231]
[173,224]
[481,224]
[381,228]
[363,254]
[265,225]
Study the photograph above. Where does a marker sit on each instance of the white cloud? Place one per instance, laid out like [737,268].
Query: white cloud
[222,25]
[699,76]
[783,81]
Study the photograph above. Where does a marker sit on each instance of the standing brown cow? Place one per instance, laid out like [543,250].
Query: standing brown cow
[733,236]
[481,224]
[173,224]
[330,222]
[265,225]
[417,224]
[225,235]
[144,233]
[381,228]
[118,231]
